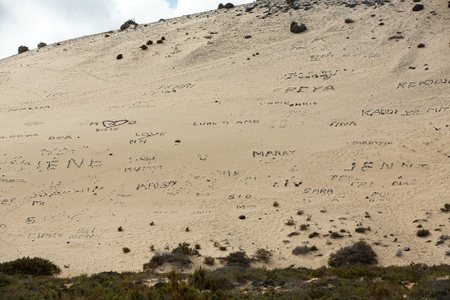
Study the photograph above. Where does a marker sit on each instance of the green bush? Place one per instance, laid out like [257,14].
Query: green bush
[238,259]
[359,253]
[30,266]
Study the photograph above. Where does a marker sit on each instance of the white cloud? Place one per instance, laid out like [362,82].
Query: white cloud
[28,22]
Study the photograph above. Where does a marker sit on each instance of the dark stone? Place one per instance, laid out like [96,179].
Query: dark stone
[242,217]
[295,28]
[248,37]
[41,45]
[177,141]
[421,45]
[417,7]
[120,56]
[406,249]
[23,49]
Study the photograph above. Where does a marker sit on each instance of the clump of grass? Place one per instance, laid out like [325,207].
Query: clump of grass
[159,41]
[263,254]
[159,259]
[360,253]
[276,204]
[290,222]
[120,56]
[300,212]
[209,260]
[126,250]
[197,247]
[293,234]
[304,226]
[336,235]
[423,233]
[446,208]
[314,248]
[222,248]
[149,42]
[301,250]
[144,47]
[348,21]
[313,234]
[396,37]
[185,249]
[362,229]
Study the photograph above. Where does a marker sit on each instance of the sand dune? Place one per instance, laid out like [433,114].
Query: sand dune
[348,122]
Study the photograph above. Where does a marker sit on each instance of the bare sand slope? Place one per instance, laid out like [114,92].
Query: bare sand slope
[348,122]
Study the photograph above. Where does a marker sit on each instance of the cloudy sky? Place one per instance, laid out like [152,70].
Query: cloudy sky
[29,22]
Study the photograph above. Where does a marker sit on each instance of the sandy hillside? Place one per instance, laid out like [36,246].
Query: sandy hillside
[348,122]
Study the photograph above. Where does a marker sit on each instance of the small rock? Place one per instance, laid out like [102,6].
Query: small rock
[242,217]
[23,49]
[41,45]
[406,249]
[417,7]
[295,28]
[248,37]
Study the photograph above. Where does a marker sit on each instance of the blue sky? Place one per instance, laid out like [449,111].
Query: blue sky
[29,22]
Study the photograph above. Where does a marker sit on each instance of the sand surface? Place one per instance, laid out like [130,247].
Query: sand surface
[349,122]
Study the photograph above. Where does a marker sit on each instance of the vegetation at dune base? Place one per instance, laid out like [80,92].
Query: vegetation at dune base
[416,281]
